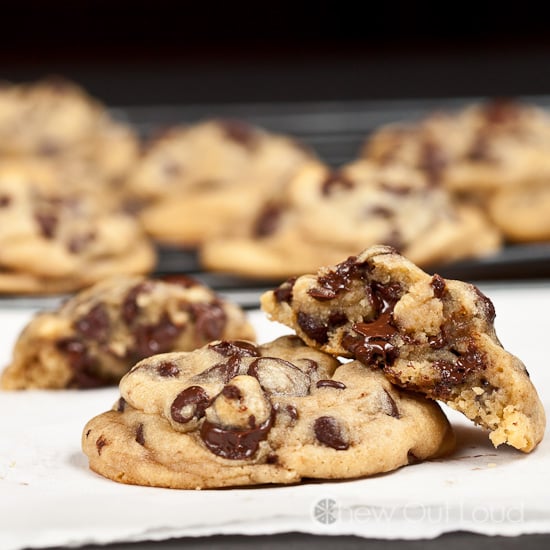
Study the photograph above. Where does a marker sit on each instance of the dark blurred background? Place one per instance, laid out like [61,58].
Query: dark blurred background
[163,51]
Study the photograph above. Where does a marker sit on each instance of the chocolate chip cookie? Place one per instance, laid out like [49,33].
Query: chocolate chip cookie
[55,240]
[98,334]
[210,178]
[232,413]
[479,147]
[56,120]
[324,215]
[425,333]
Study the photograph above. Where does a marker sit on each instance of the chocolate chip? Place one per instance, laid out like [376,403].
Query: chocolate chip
[284,292]
[238,348]
[334,180]
[433,160]
[139,435]
[83,365]
[100,443]
[394,411]
[329,432]
[167,369]
[240,132]
[335,281]
[412,458]
[232,392]
[315,328]
[189,403]
[121,405]
[455,373]
[95,324]
[272,459]
[268,220]
[234,444]
[155,338]
[79,242]
[47,224]
[331,384]
[486,304]
[501,110]
[5,200]
[130,307]
[210,320]
[438,284]
[292,411]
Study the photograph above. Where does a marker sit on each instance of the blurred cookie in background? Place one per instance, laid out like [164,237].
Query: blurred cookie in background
[210,179]
[325,214]
[55,239]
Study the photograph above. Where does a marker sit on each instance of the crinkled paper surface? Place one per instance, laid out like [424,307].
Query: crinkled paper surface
[49,497]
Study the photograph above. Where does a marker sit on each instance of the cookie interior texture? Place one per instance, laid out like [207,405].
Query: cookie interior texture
[98,334]
[425,333]
[232,413]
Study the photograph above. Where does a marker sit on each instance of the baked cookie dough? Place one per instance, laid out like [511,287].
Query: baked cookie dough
[478,148]
[54,240]
[97,335]
[210,179]
[425,333]
[56,120]
[324,215]
[233,414]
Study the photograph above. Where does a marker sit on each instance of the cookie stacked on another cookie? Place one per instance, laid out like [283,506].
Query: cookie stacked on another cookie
[233,413]
[209,179]
[493,153]
[425,333]
[97,335]
[324,215]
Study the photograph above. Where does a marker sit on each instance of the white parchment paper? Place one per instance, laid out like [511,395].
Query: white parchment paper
[49,497]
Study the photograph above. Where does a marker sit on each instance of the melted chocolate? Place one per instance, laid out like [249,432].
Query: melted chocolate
[317,329]
[455,373]
[329,432]
[82,364]
[95,324]
[194,397]
[130,307]
[336,281]
[209,318]
[121,405]
[292,411]
[153,339]
[238,348]
[234,444]
[139,435]
[331,384]
[5,200]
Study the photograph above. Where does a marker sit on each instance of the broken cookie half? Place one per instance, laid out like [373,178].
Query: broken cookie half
[232,413]
[425,333]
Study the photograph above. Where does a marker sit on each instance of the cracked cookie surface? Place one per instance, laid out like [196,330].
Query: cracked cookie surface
[232,413]
[97,335]
[425,333]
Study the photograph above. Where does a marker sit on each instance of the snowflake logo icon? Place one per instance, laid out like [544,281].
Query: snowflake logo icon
[326,511]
